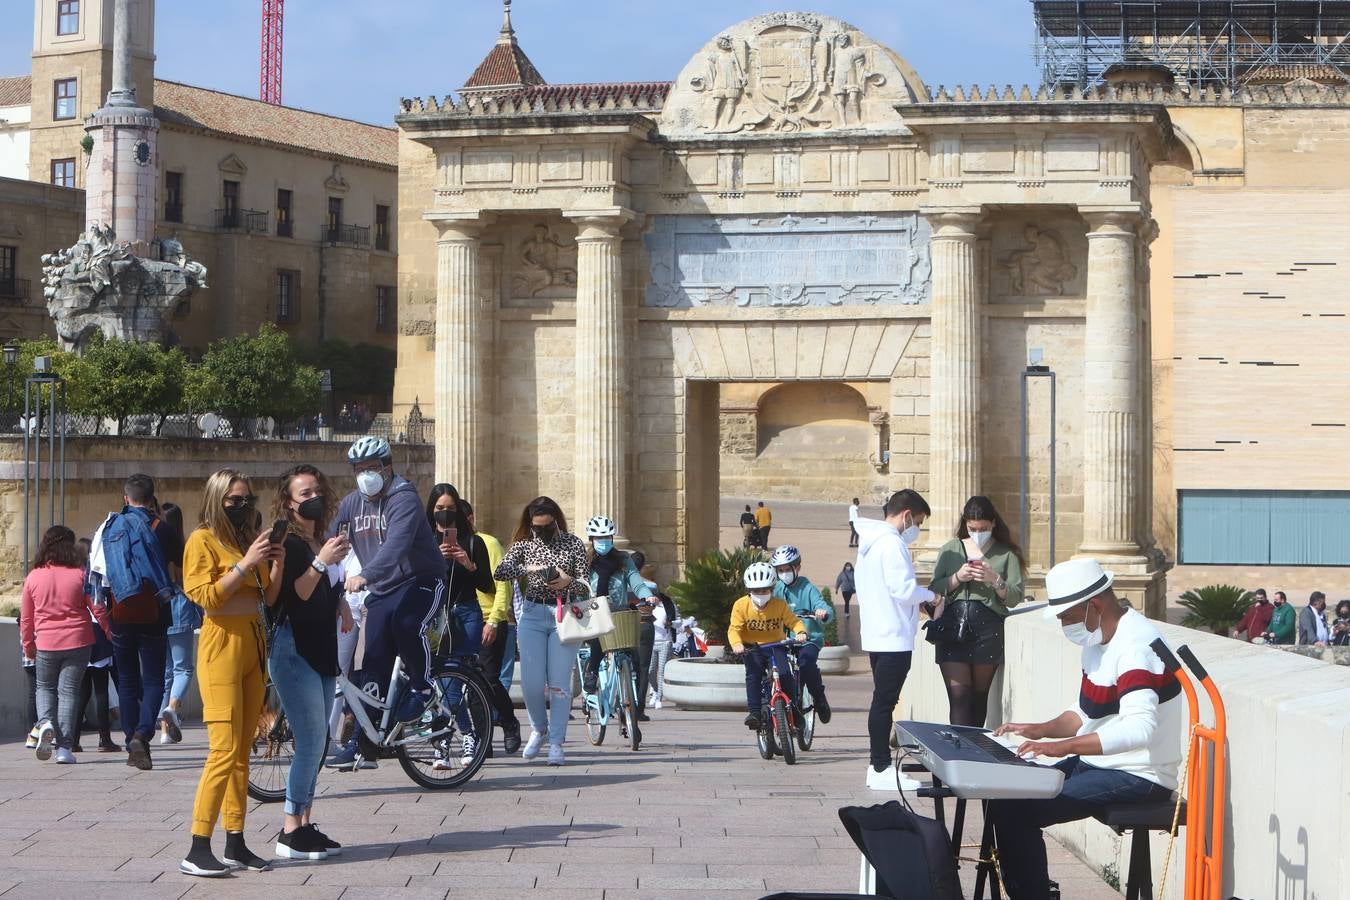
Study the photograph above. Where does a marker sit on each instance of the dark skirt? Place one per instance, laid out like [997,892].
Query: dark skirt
[986,649]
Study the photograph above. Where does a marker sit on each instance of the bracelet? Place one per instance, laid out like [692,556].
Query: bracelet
[241,572]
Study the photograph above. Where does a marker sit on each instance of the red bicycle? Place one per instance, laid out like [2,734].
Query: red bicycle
[781,718]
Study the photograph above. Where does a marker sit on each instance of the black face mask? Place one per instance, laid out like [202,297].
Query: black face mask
[445,517]
[239,516]
[546,533]
[310,510]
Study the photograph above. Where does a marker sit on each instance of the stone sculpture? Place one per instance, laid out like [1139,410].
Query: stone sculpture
[542,260]
[1042,269]
[99,285]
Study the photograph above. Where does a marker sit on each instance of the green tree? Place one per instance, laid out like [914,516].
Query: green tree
[358,369]
[1217,607]
[254,376]
[711,586]
[70,367]
[129,378]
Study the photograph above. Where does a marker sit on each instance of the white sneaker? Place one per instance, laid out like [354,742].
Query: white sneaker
[656,704]
[46,736]
[468,747]
[31,743]
[885,780]
[65,757]
[555,755]
[172,726]
[442,761]
[534,744]
[164,738]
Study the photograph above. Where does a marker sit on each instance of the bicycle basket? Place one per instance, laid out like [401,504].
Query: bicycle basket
[625,633]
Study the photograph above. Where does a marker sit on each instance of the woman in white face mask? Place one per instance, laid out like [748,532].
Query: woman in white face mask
[980,571]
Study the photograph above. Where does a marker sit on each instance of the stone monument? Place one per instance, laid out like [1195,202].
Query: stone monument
[118,278]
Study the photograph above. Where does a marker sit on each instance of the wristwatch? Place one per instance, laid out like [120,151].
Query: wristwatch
[319,566]
[1000,584]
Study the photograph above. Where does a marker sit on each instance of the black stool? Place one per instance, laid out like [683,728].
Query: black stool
[1140,819]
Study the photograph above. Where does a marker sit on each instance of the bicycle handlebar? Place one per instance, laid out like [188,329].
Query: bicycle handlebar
[792,644]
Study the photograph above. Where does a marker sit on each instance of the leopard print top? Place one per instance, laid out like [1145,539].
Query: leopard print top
[566,552]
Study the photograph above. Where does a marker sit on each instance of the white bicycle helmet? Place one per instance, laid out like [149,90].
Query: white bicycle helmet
[601,526]
[760,576]
[786,555]
[369,447]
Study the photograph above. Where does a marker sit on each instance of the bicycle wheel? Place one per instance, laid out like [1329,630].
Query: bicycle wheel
[626,702]
[764,738]
[807,720]
[783,729]
[269,759]
[460,707]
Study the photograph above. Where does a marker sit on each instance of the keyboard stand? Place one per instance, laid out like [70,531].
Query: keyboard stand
[986,868]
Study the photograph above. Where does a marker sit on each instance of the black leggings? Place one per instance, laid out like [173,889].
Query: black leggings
[968,691]
[95,687]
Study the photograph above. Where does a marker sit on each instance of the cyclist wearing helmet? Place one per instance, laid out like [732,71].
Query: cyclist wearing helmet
[613,574]
[761,618]
[807,602]
[401,566]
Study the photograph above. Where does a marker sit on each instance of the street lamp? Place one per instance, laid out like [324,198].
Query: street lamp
[11,360]
[1036,368]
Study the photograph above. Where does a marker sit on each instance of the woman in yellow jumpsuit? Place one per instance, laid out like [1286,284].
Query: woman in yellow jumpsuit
[229,584]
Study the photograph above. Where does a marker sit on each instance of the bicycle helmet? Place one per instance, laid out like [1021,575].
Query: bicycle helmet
[760,576]
[786,555]
[369,447]
[601,526]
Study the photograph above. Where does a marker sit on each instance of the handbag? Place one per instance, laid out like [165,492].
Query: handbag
[954,625]
[583,620]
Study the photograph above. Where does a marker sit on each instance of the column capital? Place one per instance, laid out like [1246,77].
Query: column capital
[601,224]
[1113,220]
[953,223]
[460,225]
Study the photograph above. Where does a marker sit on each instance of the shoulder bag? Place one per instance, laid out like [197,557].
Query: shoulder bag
[583,619]
[953,626]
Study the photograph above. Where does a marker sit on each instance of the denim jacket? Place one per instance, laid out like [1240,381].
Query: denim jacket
[133,556]
[187,616]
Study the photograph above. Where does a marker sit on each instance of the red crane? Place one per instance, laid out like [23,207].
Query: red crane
[269,69]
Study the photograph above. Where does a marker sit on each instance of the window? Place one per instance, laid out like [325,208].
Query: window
[229,216]
[1264,528]
[63,172]
[283,213]
[173,196]
[287,282]
[334,218]
[68,17]
[381,227]
[8,271]
[384,307]
[63,103]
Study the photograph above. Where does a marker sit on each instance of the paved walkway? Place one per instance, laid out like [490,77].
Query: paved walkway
[695,814]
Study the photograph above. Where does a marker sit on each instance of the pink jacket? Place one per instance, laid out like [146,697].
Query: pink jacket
[55,611]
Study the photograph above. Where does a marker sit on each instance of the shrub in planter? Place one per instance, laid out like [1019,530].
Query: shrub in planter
[831,627]
[712,584]
[1217,607]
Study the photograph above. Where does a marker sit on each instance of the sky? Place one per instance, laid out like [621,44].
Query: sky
[356,58]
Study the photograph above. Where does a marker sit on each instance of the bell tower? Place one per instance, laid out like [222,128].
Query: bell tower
[72,69]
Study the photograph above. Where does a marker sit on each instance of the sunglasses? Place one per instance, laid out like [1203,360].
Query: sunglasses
[240,502]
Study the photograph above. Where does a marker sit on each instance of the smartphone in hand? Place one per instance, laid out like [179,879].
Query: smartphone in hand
[450,536]
[345,530]
[278,532]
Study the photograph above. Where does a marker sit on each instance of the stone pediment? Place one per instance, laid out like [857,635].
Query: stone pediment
[233,165]
[790,73]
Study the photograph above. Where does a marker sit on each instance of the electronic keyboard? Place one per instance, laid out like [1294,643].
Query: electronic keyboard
[973,763]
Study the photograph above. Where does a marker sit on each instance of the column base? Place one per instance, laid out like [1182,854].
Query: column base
[1141,575]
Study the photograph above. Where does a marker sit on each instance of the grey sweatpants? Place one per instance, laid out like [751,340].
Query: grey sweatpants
[59,676]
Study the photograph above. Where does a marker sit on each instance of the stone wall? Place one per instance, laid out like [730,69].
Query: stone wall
[34,219]
[96,468]
[1288,724]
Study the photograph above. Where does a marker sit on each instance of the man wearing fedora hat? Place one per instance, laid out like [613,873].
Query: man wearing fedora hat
[1121,743]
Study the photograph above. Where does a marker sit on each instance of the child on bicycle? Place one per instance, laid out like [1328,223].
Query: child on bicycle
[761,618]
[806,601]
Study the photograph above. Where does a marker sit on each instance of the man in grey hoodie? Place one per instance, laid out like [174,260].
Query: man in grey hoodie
[401,566]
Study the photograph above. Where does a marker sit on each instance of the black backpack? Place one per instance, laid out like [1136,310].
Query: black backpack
[912,854]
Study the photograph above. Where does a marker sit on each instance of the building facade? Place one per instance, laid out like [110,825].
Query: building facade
[293,213]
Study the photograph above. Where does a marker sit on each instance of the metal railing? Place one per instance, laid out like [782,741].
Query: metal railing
[249,221]
[354,235]
[15,291]
[413,429]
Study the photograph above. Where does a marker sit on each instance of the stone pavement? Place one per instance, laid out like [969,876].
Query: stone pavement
[695,814]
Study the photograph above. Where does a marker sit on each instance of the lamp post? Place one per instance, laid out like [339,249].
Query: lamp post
[1037,369]
[11,360]
[43,388]
[326,387]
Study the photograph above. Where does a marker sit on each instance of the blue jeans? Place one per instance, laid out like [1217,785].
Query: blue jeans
[506,633]
[305,697]
[810,669]
[178,667]
[466,639]
[757,676]
[545,671]
[138,653]
[1018,823]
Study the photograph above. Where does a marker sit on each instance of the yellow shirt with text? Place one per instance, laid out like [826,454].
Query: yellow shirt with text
[761,626]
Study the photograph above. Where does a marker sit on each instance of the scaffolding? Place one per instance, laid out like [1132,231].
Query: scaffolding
[1204,43]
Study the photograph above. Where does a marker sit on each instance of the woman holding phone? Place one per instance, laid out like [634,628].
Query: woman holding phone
[553,564]
[980,572]
[468,571]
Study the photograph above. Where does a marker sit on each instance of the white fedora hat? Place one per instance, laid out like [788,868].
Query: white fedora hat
[1076,581]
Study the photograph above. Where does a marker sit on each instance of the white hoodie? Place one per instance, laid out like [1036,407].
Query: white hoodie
[888,593]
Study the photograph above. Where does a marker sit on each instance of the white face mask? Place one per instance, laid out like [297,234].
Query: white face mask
[1079,634]
[760,600]
[910,534]
[787,577]
[981,538]
[370,482]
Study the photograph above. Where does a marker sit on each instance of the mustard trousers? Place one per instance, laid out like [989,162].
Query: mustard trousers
[230,674]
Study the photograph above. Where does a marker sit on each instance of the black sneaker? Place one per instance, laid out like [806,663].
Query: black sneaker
[823,710]
[238,856]
[138,753]
[332,846]
[643,717]
[511,736]
[752,721]
[302,843]
[203,863]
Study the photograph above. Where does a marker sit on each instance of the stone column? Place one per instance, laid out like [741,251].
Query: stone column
[954,411]
[460,379]
[1112,458]
[601,376]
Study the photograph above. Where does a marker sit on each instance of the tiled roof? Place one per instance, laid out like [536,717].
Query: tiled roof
[243,117]
[506,65]
[16,90]
[1285,72]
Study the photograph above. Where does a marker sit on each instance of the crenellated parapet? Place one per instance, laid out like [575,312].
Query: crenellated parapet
[642,96]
